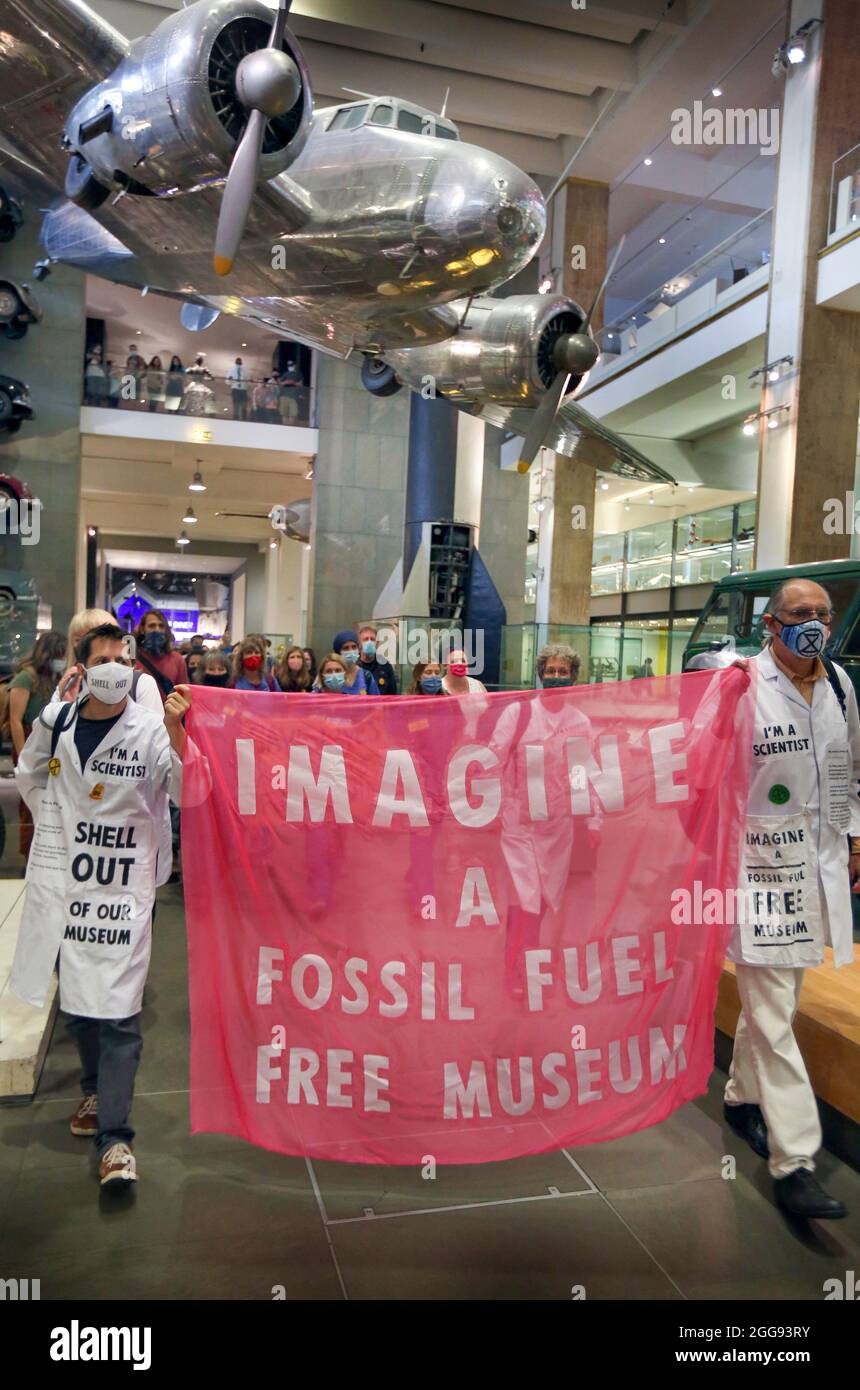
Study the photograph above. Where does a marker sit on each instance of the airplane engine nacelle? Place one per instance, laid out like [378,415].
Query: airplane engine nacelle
[504,354]
[168,119]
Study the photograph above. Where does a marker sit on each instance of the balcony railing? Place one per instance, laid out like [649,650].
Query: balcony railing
[844,195]
[198,395]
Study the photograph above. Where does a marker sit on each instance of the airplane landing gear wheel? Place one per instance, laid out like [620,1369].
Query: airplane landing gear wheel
[82,187]
[378,378]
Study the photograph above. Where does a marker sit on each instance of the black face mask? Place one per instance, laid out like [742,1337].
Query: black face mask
[216,680]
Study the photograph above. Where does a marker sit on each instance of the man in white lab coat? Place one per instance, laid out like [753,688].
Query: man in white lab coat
[96,774]
[797,875]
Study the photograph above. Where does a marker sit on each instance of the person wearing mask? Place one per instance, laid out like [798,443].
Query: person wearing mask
[93,908]
[29,691]
[157,654]
[456,680]
[194,662]
[156,384]
[135,366]
[238,381]
[372,664]
[95,379]
[332,676]
[557,664]
[310,662]
[358,682]
[270,398]
[114,385]
[426,679]
[216,668]
[805,773]
[249,667]
[144,689]
[289,385]
[292,674]
[175,385]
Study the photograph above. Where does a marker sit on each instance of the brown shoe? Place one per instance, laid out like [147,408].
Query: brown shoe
[85,1122]
[117,1165]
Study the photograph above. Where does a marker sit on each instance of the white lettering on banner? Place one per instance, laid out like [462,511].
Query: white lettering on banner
[341,1068]
[541,968]
[666,763]
[325,981]
[592,1071]
[399,773]
[266,972]
[476,900]
[246,782]
[487,790]
[605,778]
[303,788]
[474,798]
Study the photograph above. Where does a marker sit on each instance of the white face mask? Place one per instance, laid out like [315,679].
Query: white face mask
[109,682]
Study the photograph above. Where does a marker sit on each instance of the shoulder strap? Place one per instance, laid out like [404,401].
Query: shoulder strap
[164,682]
[835,683]
[60,723]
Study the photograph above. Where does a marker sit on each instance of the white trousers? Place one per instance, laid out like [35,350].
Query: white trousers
[768,1070]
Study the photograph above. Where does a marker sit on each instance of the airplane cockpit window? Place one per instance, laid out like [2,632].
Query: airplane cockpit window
[349,117]
[382,115]
[411,121]
[445,132]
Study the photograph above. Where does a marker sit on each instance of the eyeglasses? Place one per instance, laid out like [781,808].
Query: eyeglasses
[807,615]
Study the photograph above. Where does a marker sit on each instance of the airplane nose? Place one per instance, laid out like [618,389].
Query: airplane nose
[520,215]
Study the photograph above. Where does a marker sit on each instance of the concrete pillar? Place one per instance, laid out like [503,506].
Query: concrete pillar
[585,237]
[284,566]
[46,452]
[811,456]
[358,499]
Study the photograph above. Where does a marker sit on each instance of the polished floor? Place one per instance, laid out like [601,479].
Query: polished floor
[648,1217]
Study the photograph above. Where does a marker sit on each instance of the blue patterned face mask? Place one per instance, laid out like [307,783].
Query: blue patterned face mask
[431,685]
[804,639]
[334,680]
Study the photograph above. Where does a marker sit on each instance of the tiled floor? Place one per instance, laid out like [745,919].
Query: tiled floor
[647,1217]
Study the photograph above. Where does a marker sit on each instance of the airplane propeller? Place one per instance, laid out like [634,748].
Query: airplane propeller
[268,83]
[573,355]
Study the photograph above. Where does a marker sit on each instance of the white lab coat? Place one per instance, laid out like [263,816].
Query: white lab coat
[90,902]
[790,755]
[147,695]
[538,853]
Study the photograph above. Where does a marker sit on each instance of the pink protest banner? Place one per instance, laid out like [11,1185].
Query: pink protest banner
[440,925]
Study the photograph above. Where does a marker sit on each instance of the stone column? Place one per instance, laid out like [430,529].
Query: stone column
[811,455]
[46,452]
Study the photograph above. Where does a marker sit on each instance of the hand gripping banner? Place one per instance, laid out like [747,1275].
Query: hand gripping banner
[452,926]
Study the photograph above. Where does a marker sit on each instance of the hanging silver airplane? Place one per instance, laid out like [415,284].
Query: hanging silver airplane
[191,163]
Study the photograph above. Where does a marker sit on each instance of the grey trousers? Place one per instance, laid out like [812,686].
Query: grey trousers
[109,1049]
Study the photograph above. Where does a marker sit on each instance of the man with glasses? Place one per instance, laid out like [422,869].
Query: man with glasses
[800,864]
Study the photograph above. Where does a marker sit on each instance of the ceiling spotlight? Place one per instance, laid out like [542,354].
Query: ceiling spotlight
[273,545]
[793,51]
[604,486]
[182,539]
[796,53]
[540,505]
[546,285]
[772,423]
[716,91]
[189,518]
[647,163]
[773,374]
[244,345]
[627,506]
[197,484]
[651,498]
[749,427]
[91,530]
[661,241]
[308,546]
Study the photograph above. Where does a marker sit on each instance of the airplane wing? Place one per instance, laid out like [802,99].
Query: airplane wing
[576,434]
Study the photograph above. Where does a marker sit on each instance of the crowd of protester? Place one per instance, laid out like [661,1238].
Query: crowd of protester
[172,388]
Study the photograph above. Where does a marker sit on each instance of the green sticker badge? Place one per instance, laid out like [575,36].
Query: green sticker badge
[779,794]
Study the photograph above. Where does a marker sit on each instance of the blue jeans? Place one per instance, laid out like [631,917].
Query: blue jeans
[109,1050]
